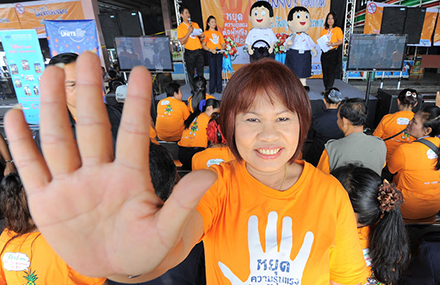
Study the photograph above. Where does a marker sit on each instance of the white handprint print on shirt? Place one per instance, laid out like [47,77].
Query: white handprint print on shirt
[215,39]
[271,265]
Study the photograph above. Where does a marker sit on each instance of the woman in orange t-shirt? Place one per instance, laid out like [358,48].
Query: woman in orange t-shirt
[381,229]
[329,59]
[194,138]
[416,166]
[392,126]
[198,93]
[217,152]
[26,257]
[213,43]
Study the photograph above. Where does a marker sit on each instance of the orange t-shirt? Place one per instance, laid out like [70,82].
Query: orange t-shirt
[363,238]
[336,34]
[211,156]
[171,114]
[417,179]
[254,233]
[153,135]
[213,39]
[30,258]
[392,124]
[193,42]
[190,98]
[195,135]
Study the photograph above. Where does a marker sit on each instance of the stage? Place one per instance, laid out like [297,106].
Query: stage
[316,87]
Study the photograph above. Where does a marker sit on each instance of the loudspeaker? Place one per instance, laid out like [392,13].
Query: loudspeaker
[415,18]
[130,23]
[110,28]
[393,20]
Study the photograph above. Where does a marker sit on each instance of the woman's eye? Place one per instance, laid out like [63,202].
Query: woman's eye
[252,120]
[282,119]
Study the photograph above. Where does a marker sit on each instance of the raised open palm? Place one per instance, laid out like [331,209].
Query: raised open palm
[100,213]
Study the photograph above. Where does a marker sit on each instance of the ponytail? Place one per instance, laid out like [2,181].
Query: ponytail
[200,109]
[388,239]
[377,205]
[199,92]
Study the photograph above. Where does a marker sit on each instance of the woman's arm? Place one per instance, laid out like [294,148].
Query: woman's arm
[4,152]
[91,204]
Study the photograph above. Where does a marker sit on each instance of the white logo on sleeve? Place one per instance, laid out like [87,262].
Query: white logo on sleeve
[15,261]
[214,161]
[165,102]
[215,39]
[402,121]
[431,154]
[270,265]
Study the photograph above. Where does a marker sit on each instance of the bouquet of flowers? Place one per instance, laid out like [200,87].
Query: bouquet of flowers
[230,49]
[230,52]
[279,48]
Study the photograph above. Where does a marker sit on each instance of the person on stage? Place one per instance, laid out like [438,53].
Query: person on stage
[190,35]
[214,42]
[329,59]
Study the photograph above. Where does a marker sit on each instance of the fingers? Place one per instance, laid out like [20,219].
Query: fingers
[28,159]
[93,126]
[55,130]
[255,247]
[133,143]
[304,252]
[271,232]
[182,202]
[286,237]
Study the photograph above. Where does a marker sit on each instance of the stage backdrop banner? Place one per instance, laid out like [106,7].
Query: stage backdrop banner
[8,18]
[26,65]
[33,14]
[74,36]
[233,21]
[428,28]
[437,32]
[373,17]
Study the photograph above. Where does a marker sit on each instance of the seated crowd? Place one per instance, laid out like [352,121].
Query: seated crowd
[230,137]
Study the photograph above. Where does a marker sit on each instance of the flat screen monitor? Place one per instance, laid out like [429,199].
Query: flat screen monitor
[152,52]
[376,52]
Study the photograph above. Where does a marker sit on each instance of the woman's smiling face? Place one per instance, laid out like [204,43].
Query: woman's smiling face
[266,136]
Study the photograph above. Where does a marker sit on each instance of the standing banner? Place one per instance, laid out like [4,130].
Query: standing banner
[437,32]
[8,18]
[33,14]
[233,21]
[71,36]
[26,65]
[428,28]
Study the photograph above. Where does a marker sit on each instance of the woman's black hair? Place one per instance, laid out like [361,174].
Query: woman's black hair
[408,97]
[333,97]
[334,18]
[13,205]
[431,119]
[388,239]
[210,102]
[207,21]
[199,91]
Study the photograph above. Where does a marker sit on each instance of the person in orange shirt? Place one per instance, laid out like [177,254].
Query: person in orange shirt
[265,217]
[329,59]
[26,257]
[194,138]
[217,152]
[392,126]
[382,233]
[213,43]
[199,93]
[190,35]
[171,114]
[416,166]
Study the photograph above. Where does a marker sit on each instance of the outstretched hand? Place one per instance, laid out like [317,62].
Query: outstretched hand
[99,212]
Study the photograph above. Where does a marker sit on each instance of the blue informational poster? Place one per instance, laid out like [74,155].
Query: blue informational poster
[26,66]
[74,36]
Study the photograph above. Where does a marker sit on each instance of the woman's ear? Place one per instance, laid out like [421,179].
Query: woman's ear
[428,130]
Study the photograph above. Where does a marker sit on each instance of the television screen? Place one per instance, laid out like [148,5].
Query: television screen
[376,52]
[152,52]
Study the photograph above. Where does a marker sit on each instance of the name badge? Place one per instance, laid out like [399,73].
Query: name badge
[301,51]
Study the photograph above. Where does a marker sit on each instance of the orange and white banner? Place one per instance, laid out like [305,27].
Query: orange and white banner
[437,32]
[233,18]
[8,18]
[428,28]
[373,17]
[33,14]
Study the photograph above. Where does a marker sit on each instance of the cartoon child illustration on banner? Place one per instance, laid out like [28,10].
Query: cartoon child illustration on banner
[261,39]
[300,45]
